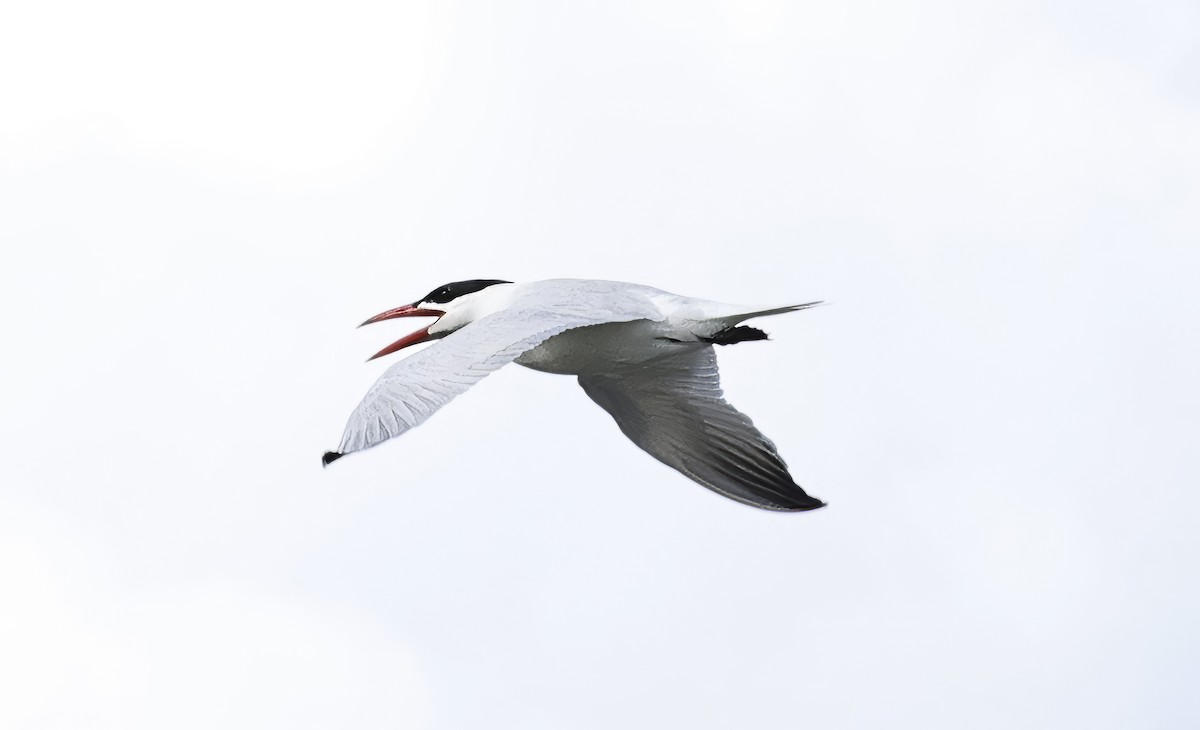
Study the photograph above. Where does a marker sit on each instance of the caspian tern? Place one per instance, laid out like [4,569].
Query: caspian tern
[642,354]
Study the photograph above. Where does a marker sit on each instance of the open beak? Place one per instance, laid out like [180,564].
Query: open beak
[408,310]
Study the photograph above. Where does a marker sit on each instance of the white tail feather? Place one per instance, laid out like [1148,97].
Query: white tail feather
[741,317]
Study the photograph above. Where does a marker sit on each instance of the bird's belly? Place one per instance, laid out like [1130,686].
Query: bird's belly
[596,349]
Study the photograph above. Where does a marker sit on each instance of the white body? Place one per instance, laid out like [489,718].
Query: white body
[680,323]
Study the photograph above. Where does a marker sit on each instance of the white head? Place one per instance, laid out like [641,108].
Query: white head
[456,305]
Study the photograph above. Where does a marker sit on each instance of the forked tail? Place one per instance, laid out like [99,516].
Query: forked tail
[729,330]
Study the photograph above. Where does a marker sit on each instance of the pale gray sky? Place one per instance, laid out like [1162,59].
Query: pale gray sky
[1002,200]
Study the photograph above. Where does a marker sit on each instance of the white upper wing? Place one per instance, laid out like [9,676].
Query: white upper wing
[411,391]
[673,408]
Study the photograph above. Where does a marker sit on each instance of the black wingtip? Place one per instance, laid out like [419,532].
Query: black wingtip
[805,503]
[330,457]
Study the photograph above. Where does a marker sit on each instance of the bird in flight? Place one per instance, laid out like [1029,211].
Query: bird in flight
[642,354]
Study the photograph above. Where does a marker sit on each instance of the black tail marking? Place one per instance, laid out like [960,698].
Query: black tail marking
[733,335]
[330,457]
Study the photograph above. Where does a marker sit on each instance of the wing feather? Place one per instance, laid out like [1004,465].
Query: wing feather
[673,408]
[412,390]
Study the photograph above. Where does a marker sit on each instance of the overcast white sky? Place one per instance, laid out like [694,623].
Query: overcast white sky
[199,202]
